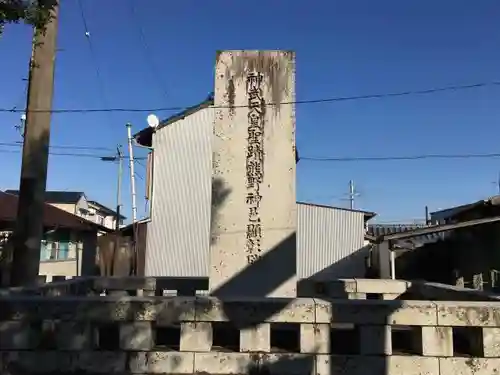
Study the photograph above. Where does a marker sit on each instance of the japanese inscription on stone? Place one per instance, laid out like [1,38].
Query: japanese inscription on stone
[254,164]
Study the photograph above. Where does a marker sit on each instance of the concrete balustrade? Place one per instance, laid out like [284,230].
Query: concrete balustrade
[186,335]
[337,289]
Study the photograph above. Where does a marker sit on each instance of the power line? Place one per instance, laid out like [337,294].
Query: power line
[156,74]
[298,102]
[93,55]
[72,154]
[138,160]
[394,158]
[140,163]
[68,147]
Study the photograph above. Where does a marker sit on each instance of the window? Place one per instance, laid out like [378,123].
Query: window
[63,251]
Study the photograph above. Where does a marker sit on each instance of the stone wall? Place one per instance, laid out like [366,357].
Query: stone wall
[186,335]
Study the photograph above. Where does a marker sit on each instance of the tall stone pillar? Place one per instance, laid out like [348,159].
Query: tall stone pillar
[253,251]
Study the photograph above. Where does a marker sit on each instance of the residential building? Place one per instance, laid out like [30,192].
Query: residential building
[483,208]
[76,203]
[181,192]
[458,248]
[69,242]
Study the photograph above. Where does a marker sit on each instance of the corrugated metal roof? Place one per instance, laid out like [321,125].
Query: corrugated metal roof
[377,230]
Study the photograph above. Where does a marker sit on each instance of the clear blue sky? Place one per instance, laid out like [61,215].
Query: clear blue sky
[344,48]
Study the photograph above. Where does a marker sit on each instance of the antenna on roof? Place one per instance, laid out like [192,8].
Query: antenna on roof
[153,121]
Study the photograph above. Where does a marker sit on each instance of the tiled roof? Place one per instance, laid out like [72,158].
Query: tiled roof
[52,216]
[67,197]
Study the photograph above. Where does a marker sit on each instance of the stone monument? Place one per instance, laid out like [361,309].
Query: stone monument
[253,251]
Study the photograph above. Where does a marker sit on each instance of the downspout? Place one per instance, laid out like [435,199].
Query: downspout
[151,177]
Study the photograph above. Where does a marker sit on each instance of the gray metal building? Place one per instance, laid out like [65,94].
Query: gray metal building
[330,241]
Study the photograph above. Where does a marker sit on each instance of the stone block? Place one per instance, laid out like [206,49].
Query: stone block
[278,310]
[287,364]
[256,338]
[136,336]
[356,296]
[465,313]
[161,363]
[16,335]
[196,337]
[315,338]
[491,342]
[376,312]
[74,335]
[225,363]
[362,365]
[375,340]
[58,362]
[381,286]
[437,341]
[390,296]
[469,366]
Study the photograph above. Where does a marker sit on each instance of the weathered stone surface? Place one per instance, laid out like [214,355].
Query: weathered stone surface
[381,286]
[286,310]
[437,341]
[102,309]
[287,364]
[474,314]
[256,338]
[161,363]
[375,340]
[224,363]
[196,337]
[469,366]
[136,336]
[376,312]
[253,249]
[491,342]
[50,362]
[362,365]
[315,338]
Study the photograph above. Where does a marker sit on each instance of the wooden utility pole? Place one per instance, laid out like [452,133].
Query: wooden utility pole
[28,232]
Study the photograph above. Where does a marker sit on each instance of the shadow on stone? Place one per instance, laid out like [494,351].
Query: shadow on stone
[219,195]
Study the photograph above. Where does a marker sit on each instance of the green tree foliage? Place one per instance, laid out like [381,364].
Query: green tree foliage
[32,12]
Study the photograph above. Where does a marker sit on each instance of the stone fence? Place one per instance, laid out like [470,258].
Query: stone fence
[187,335]
[336,289]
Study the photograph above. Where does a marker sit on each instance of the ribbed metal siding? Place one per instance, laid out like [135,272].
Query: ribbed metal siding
[178,239]
[330,242]
[178,234]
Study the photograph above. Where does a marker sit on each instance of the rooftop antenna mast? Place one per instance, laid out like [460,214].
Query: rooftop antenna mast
[352,194]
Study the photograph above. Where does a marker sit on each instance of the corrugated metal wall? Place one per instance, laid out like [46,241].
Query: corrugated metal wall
[330,242]
[178,238]
[180,212]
